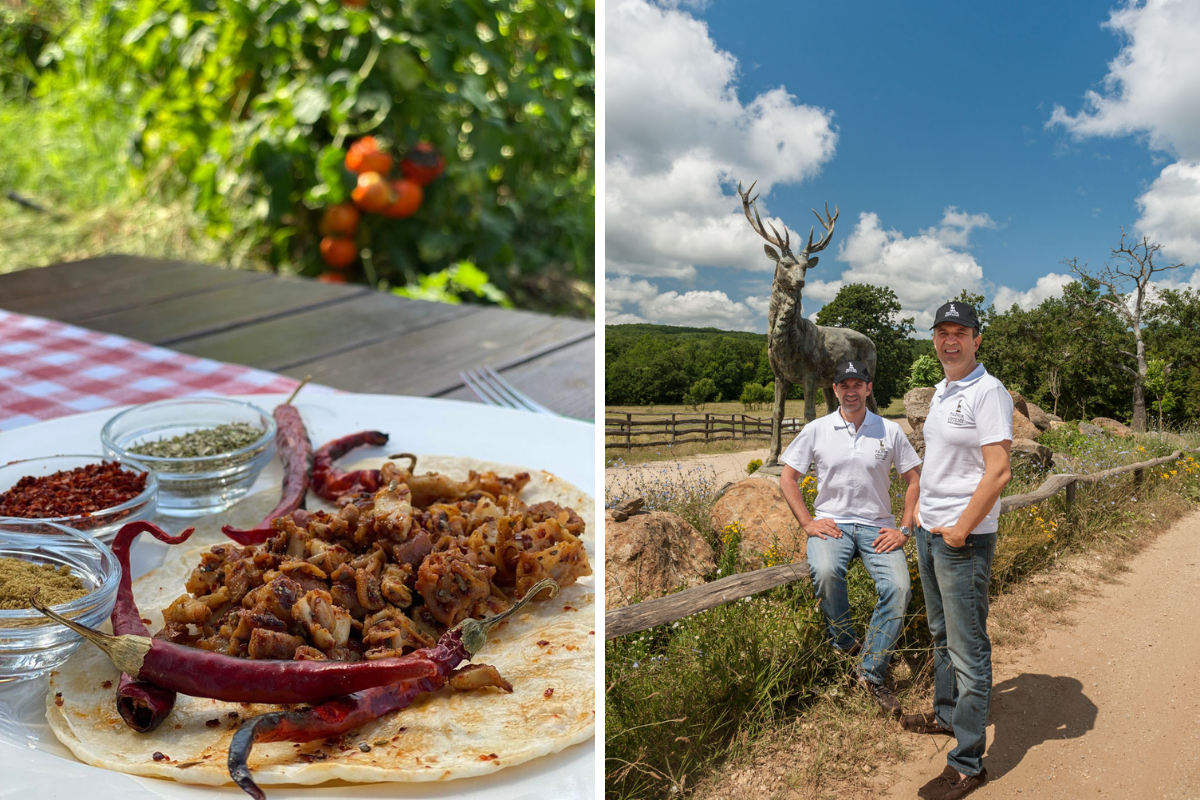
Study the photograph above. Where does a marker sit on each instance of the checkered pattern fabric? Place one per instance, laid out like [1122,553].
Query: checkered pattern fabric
[49,369]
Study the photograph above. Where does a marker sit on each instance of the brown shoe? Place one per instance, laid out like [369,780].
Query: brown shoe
[924,723]
[948,786]
[883,696]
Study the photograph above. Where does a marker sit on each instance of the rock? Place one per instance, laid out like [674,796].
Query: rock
[1039,418]
[1029,451]
[1055,418]
[1112,426]
[1022,427]
[1055,424]
[766,520]
[652,554]
[916,405]
[1064,463]
[1090,429]
[917,440]
[1019,404]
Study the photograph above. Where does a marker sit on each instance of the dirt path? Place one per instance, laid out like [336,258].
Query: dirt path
[1106,707]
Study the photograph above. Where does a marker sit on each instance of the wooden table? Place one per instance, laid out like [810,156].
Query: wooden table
[343,335]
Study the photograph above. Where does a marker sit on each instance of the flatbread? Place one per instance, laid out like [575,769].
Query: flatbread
[547,651]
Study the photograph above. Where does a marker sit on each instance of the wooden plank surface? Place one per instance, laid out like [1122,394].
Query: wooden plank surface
[427,361]
[286,343]
[174,279]
[563,380]
[73,275]
[180,318]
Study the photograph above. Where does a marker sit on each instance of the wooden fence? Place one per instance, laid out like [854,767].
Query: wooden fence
[680,428]
[647,614]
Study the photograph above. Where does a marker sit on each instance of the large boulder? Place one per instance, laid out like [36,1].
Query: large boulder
[916,405]
[1030,452]
[1038,417]
[1019,404]
[1022,427]
[1112,426]
[917,440]
[757,504]
[1090,429]
[651,554]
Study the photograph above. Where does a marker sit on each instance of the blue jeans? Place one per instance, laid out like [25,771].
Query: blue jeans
[955,581]
[828,560]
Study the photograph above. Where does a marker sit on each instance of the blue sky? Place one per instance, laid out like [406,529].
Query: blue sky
[967,145]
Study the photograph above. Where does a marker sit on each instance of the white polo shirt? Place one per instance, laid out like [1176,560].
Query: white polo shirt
[853,466]
[963,416]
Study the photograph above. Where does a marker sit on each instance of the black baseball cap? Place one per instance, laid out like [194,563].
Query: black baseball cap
[956,311]
[851,369]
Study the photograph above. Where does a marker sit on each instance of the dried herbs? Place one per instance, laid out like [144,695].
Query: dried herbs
[202,442]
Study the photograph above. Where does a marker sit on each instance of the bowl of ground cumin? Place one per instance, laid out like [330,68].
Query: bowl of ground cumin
[97,494]
[74,572]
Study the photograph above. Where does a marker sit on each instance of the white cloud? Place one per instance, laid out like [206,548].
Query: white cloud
[678,138]
[1152,90]
[1171,211]
[1153,85]
[694,309]
[1047,286]
[955,228]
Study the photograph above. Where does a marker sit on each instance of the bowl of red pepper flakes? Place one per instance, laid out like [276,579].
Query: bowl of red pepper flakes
[87,493]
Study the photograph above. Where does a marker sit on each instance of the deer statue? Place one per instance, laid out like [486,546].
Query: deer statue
[799,350]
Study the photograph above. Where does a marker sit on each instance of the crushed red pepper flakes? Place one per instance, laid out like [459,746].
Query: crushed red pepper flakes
[212,723]
[58,701]
[70,493]
[106,685]
[549,692]
[489,757]
[159,756]
[542,643]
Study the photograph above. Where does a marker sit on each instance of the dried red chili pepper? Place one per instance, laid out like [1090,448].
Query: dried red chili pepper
[344,714]
[295,452]
[201,673]
[143,705]
[331,483]
[72,492]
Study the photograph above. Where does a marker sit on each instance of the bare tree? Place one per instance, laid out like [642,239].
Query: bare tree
[1130,263]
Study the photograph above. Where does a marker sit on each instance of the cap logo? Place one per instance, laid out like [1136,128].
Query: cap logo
[851,368]
[953,312]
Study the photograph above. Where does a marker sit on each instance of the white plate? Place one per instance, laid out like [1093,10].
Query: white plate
[34,764]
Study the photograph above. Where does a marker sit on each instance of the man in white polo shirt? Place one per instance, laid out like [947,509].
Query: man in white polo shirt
[855,450]
[968,435]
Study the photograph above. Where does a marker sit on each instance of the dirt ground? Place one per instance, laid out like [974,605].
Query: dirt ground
[1107,705]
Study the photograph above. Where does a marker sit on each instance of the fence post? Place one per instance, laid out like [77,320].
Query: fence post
[628,431]
[1138,475]
[1071,493]
[673,423]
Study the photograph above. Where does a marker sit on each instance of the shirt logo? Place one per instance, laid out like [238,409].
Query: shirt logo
[882,453]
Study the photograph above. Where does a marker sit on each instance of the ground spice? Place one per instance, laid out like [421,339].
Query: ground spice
[18,579]
[202,442]
[73,492]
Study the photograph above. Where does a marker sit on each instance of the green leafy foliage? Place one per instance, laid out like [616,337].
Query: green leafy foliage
[701,392]
[873,311]
[247,107]
[755,395]
[926,370]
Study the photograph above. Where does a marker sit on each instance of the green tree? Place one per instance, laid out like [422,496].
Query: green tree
[925,371]
[874,311]
[701,392]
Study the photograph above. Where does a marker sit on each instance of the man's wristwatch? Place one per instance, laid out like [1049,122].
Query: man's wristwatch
[907,531]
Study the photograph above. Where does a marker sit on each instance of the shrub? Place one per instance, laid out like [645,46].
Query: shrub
[753,466]
[925,371]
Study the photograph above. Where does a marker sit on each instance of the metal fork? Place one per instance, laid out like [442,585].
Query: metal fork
[493,390]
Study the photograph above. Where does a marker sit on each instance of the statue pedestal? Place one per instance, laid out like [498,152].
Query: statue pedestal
[774,472]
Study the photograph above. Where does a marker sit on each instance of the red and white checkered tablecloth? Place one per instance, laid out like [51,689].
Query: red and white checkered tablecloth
[50,369]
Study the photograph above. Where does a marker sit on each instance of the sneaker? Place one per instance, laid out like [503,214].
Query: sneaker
[883,695]
[924,723]
[949,786]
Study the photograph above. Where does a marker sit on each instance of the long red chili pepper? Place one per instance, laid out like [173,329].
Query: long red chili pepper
[295,452]
[202,673]
[331,483]
[142,704]
[344,714]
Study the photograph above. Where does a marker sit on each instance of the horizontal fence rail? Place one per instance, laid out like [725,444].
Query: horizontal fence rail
[680,428]
[650,613]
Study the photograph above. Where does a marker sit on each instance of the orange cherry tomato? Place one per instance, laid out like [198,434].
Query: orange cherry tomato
[423,164]
[332,277]
[372,194]
[341,219]
[364,156]
[338,252]
[408,199]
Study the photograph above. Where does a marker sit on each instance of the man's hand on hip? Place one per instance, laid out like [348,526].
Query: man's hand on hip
[889,539]
[823,529]
[950,537]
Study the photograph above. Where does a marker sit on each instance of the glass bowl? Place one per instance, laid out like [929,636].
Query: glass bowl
[102,524]
[193,487]
[30,643]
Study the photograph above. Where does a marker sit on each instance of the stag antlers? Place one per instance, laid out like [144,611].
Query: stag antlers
[784,242]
